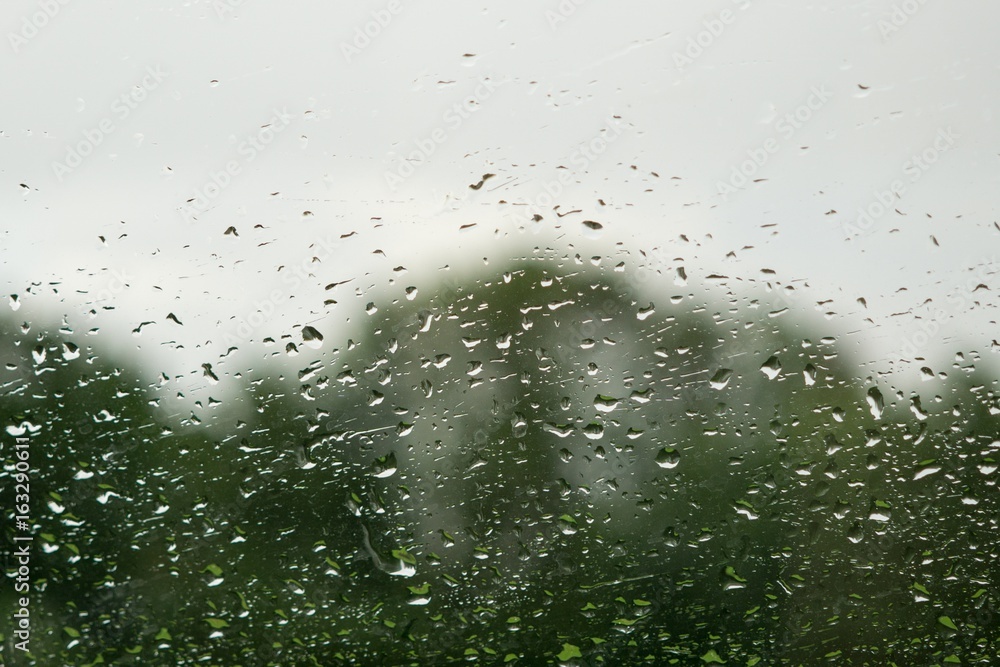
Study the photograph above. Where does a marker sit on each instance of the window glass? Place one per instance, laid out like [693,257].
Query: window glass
[506,333]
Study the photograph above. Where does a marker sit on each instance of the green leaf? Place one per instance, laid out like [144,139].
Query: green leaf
[569,652]
[713,657]
[404,555]
[72,632]
[217,623]
[947,622]
[731,572]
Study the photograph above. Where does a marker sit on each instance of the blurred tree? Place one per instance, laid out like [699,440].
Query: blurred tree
[531,463]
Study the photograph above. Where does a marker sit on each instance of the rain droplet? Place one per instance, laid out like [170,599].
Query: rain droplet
[880,511]
[643,396]
[559,430]
[605,403]
[210,374]
[875,402]
[212,575]
[419,595]
[385,466]
[311,337]
[567,525]
[668,458]
[680,279]
[721,378]
[771,368]
[519,425]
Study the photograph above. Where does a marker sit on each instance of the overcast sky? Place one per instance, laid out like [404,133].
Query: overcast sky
[380,115]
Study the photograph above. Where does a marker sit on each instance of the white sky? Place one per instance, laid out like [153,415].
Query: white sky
[890,95]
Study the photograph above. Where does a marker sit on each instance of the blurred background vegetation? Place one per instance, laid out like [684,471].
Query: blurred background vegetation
[534,465]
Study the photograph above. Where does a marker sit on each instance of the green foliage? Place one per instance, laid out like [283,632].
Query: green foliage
[505,466]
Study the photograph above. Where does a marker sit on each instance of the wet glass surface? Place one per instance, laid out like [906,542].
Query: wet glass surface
[562,333]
